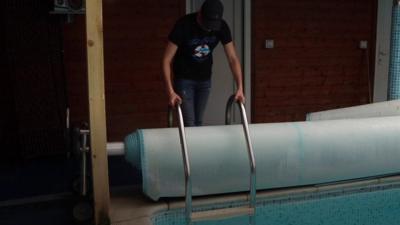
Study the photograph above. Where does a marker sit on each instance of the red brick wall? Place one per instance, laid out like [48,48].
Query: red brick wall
[135,34]
[316,63]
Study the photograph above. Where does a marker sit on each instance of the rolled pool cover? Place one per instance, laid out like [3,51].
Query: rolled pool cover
[380,109]
[287,154]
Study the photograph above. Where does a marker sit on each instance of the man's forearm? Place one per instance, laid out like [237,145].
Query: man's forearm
[234,64]
[237,73]
[168,78]
[166,66]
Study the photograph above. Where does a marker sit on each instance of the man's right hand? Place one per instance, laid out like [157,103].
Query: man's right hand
[174,99]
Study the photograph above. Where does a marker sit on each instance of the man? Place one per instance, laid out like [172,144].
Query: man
[189,53]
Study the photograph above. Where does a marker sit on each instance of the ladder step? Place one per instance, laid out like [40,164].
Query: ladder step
[222,213]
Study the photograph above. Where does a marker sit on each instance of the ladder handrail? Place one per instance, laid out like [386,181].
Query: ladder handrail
[228,110]
[228,121]
[251,156]
[186,165]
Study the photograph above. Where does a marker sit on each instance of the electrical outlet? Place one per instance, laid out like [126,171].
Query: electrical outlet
[363,44]
[269,44]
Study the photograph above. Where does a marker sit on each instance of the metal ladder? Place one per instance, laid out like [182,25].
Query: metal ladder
[225,212]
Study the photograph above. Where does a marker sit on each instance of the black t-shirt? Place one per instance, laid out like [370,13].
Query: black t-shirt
[193,59]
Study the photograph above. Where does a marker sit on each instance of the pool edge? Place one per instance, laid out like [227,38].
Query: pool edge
[146,210]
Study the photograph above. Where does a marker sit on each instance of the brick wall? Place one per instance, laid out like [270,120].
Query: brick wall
[135,34]
[316,63]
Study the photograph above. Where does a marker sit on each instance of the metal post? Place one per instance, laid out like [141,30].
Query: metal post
[228,110]
[84,151]
[251,157]
[252,163]
[186,164]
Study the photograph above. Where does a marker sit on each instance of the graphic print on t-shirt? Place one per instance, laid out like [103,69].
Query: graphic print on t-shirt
[201,51]
[201,48]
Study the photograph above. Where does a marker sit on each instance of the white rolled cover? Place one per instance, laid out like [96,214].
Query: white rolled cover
[387,108]
[287,154]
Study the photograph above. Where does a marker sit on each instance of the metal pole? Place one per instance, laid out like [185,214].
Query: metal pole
[84,151]
[251,157]
[228,110]
[186,164]
[252,219]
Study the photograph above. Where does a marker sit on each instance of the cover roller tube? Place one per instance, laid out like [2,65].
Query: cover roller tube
[115,148]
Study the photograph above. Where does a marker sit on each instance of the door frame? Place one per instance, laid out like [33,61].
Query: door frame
[382,50]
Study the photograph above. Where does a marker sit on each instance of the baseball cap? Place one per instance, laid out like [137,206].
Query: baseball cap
[211,14]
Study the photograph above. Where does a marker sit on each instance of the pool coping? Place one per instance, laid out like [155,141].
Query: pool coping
[129,206]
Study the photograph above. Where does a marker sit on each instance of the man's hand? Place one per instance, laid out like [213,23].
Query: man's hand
[174,99]
[239,96]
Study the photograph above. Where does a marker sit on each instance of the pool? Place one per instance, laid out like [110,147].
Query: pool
[372,202]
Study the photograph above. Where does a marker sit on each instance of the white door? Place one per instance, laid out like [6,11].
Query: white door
[382,50]
[223,85]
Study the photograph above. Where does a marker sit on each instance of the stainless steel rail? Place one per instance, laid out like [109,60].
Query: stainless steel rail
[186,165]
[228,110]
[228,121]
[218,213]
[251,158]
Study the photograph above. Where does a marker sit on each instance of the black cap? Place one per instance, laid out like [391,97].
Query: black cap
[211,14]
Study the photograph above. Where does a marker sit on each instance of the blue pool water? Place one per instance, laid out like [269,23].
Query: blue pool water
[373,205]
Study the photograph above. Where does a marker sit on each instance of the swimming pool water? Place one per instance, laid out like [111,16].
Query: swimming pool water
[374,205]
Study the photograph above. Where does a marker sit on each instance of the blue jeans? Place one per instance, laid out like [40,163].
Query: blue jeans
[194,96]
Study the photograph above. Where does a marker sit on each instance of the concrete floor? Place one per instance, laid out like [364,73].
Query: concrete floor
[40,191]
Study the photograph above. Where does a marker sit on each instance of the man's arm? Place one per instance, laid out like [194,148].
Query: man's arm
[236,69]
[166,65]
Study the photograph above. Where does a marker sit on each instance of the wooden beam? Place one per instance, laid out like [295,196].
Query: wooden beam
[98,134]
